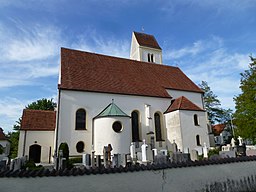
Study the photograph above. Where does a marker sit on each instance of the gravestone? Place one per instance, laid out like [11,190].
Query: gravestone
[194,155]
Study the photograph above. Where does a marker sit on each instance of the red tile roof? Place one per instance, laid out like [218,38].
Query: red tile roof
[2,135]
[182,103]
[38,120]
[217,129]
[85,71]
[146,40]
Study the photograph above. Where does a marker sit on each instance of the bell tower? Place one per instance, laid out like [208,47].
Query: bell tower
[145,48]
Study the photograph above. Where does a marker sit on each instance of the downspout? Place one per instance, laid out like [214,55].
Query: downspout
[24,144]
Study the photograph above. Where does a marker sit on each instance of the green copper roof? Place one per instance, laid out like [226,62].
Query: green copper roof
[112,110]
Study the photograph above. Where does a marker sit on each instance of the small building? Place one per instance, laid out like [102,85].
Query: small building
[4,146]
[36,138]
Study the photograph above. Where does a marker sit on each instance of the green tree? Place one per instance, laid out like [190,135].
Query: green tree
[41,104]
[14,139]
[212,105]
[245,114]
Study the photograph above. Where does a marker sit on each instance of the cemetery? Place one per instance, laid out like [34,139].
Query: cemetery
[147,169]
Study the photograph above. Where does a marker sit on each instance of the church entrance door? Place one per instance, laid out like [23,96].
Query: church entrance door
[35,153]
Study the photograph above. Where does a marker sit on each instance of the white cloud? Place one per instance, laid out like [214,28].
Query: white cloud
[26,43]
[111,46]
[209,60]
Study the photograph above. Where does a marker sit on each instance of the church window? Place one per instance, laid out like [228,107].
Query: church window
[196,120]
[198,143]
[80,147]
[158,127]
[135,126]
[80,119]
[117,126]
[150,58]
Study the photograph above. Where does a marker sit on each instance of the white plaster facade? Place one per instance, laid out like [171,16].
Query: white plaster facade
[45,139]
[177,125]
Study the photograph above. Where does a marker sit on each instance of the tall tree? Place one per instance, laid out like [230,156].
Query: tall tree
[245,114]
[212,104]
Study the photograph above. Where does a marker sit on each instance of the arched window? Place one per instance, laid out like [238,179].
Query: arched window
[152,58]
[135,126]
[80,119]
[198,142]
[196,120]
[80,147]
[148,57]
[158,127]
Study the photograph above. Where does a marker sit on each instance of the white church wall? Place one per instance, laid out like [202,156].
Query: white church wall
[43,138]
[21,143]
[173,125]
[144,51]
[134,54]
[190,130]
[104,135]
[194,97]
[94,103]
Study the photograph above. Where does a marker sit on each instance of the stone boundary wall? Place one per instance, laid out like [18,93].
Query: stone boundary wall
[172,177]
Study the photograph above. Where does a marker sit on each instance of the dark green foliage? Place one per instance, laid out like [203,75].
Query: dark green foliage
[14,139]
[42,104]
[213,152]
[30,165]
[245,115]
[212,104]
[75,160]
[65,150]
[1,149]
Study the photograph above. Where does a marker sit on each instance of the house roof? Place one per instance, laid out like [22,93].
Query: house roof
[83,71]
[2,135]
[217,129]
[38,120]
[146,40]
[182,103]
[112,110]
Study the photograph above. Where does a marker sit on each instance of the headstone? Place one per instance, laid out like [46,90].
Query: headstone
[180,157]
[98,161]
[194,155]
[205,150]
[164,152]
[154,152]
[233,142]
[139,156]
[93,159]
[160,159]
[116,160]
[144,151]
[86,160]
[105,156]
[132,151]
[240,140]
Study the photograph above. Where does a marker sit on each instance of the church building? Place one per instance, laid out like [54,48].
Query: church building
[109,100]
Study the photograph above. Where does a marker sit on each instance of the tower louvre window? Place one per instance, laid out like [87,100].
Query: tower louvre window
[150,58]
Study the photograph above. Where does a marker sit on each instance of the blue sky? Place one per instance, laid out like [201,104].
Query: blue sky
[209,40]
